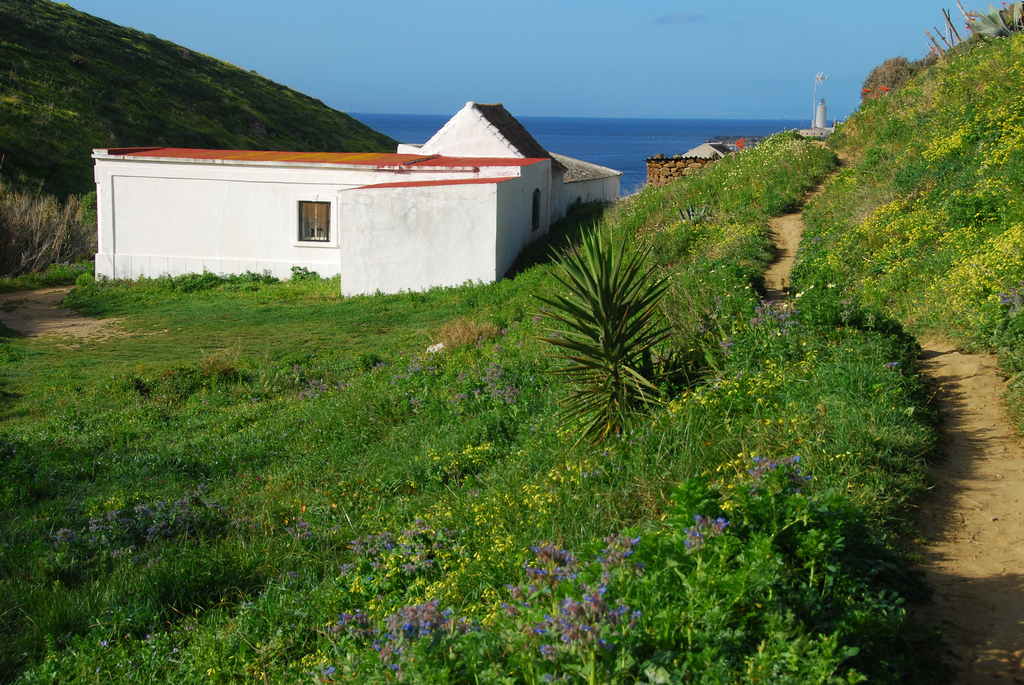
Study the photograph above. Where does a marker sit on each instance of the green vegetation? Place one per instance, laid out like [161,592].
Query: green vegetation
[926,223]
[56,274]
[72,82]
[995,24]
[39,231]
[607,330]
[891,75]
[296,491]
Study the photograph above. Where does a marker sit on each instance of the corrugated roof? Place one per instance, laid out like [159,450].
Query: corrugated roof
[450,182]
[361,159]
[515,133]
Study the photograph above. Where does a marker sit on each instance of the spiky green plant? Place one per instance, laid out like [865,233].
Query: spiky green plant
[607,325]
[992,24]
[695,214]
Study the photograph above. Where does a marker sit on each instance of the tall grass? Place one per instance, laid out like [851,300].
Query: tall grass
[38,230]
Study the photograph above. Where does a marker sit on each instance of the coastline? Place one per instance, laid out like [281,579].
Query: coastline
[620,144]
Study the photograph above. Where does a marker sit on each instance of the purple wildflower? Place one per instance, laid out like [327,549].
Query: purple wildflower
[704,529]
[552,565]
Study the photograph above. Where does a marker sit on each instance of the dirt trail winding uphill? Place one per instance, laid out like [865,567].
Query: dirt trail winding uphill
[972,524]
[786,231]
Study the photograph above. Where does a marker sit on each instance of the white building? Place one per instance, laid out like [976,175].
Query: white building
[459,208]
[709,151]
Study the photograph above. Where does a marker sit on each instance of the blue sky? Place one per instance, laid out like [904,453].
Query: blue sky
[601,58]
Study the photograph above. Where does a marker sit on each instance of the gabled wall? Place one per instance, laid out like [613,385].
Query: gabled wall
[468,133]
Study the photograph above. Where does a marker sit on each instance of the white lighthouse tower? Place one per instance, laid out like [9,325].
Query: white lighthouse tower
[819,121]
[820,116]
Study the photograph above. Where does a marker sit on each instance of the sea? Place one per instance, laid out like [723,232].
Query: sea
[620,144]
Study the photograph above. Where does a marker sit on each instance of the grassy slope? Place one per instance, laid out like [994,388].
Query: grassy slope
[322,421]
[72,82]
[928,222]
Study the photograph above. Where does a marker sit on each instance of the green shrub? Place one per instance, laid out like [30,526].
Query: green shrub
[37,231]
[66,273]
[301,273]
[891,75]
[607,326]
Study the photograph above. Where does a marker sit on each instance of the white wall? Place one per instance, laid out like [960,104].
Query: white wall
[159,217]
[515,213]
[604,189]
[556,200]
[176,217]
[412,238]
[183,225]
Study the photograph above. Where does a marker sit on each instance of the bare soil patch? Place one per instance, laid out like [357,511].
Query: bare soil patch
[971,524]
[36,313]
[786,232]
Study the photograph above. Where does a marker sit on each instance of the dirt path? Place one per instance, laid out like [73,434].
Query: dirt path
[972,524]
[38,312]
[786,233]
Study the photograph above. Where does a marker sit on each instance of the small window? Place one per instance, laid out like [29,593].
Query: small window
[536,209]
[315,221]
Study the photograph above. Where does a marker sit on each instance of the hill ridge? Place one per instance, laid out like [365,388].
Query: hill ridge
[71,82]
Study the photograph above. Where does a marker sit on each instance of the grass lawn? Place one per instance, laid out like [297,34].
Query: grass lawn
[264,481]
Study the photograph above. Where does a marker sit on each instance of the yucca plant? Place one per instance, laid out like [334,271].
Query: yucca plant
[606,326]
[993,25]
[695,214]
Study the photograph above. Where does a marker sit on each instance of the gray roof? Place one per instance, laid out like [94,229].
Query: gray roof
[516,134]
[578,170]
[709,151]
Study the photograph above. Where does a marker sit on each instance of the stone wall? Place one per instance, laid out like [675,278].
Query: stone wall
[662,169]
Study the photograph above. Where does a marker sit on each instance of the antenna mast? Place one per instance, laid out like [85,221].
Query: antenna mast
[818,78]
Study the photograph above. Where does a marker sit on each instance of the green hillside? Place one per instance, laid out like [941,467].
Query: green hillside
[236,502]
[306,488]
[927,220]
[70,82]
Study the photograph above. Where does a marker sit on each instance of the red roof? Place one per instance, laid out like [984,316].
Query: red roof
[450,182]
[362,159]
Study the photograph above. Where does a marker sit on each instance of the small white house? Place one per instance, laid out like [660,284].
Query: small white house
[460,208]
[709,151]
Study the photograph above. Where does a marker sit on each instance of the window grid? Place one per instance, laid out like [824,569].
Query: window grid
[315,221]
